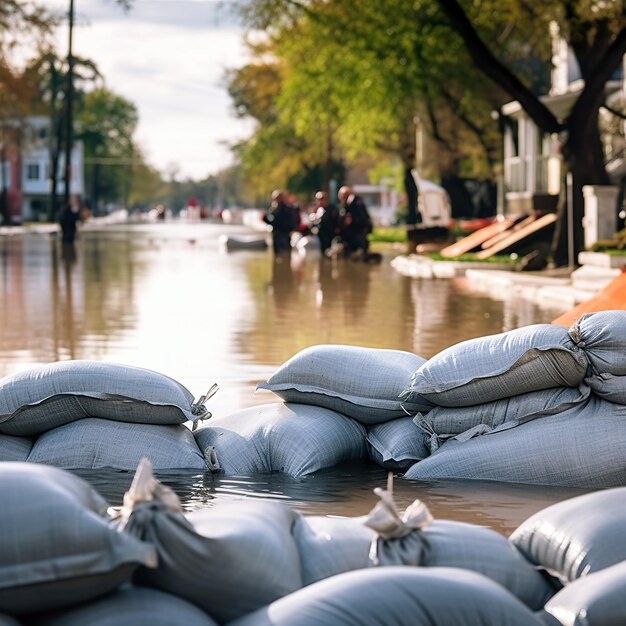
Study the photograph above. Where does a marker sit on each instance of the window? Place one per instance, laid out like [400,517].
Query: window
[32,171]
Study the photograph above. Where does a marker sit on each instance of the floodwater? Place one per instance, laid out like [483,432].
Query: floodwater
[168,297]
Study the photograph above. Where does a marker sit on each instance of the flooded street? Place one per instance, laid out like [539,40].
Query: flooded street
[168,297]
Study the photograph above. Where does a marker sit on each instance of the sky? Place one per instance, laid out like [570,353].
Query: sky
[168,58]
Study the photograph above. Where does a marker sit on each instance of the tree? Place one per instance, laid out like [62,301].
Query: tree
[596,32]
[106,123]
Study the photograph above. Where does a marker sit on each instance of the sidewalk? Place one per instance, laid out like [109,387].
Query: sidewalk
[557,288]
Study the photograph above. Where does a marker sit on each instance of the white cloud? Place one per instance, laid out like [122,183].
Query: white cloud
[168,58]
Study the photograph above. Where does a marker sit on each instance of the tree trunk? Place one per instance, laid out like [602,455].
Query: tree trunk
[584,161]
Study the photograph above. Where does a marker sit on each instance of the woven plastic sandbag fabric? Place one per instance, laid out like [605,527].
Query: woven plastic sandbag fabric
[295,439]
[531,358]
[228,560]
[397,596]
[584,446]
[363,383]
[578,536]
[94,443]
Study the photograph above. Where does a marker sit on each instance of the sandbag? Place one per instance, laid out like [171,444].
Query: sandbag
[40,398]
[57,548]
[516,409]
[15,448]
[484,369]
[131,606]
[397,444]
[331,546]
[363,383]
[296,439]
[595,600]
[602,336]
[229,559]
[578,536]
[584,446]
[397,596]
[93,443]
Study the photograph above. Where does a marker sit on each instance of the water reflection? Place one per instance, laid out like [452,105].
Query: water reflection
[166,297]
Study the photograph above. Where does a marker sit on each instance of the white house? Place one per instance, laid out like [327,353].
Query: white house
[36,170]
[532,159]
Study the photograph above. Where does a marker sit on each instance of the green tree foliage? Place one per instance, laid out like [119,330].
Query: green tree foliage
[450,62]
[106,123]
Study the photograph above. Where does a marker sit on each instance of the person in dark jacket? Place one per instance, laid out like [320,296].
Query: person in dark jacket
[280,216]
[355,223]
[325,221]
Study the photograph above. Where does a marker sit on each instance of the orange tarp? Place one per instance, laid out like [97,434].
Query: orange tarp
[612,297]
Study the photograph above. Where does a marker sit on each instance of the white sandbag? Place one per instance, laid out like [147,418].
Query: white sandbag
[584,446]
[331,546]
[608,387]
[229,559]
[131,606]
[57,548]
[595,600]
[397,596]
[92,443]
[499,366]
[363,383]
[296,439]
[38,399]
[516,409]
[15,448]
[397,444]
[602,336]
[578,536]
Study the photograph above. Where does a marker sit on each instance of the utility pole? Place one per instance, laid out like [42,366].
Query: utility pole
[69,113]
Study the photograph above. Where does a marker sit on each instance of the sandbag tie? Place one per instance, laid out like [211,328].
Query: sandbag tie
[145,488]
[198,409]
[389,523]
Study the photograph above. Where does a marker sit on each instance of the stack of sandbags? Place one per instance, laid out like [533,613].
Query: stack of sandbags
[90,414]
[57,548]
[355,384]
[295,439]
[521,406]
[582,542]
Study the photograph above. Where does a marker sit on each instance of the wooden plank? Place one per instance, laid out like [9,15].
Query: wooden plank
[538,224]
[500,236]
[475,239]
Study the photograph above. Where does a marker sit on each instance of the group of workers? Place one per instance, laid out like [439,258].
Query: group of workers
[341,227]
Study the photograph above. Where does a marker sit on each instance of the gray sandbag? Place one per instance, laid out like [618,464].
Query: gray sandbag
[608,387]
[130,606]
[229,559]
[15,448]
[595,600]
[93,443]
[516,409]
[38,399]
[7,620]
[296,439]
[602,336]
[584,446]
[57,548]
[578,536]
[531,358]
[397,596]
[363,383]
[331,546]
[397,444]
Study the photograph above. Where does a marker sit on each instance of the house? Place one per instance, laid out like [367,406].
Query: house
[25,168]
[532,159]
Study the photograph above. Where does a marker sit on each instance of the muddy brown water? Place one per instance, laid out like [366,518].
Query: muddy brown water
[168,297]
